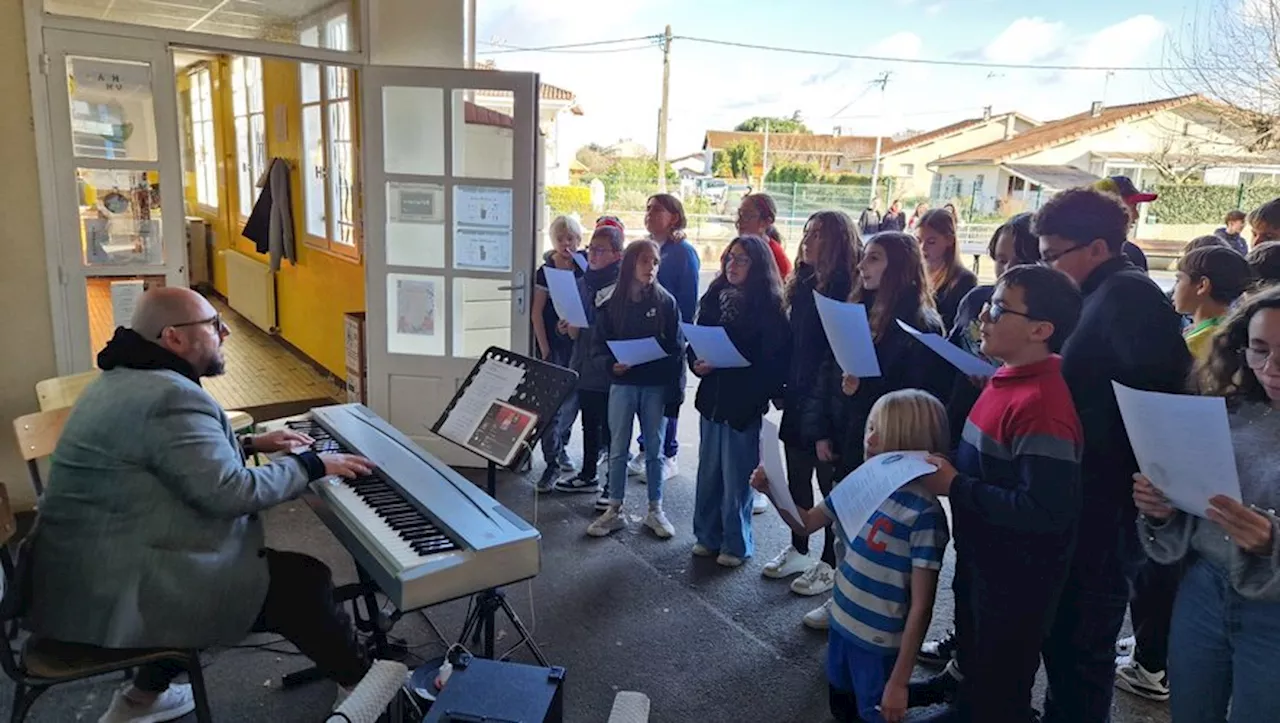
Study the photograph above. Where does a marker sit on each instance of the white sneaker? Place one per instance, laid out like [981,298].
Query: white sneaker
[817,580]
[175,702]
[602,502]
[635,466]
[727,560]
[759,503]
[819,618]
[1135,679]
[670,468]
[788,562]
[701,550]
[611,521]
[1125,648]
[657,521]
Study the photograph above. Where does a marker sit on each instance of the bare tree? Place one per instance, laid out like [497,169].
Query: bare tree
[1230,53]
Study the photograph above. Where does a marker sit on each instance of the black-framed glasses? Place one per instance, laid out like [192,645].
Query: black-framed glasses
[1258,358]
[1048,259]
[215,321]
[994,310]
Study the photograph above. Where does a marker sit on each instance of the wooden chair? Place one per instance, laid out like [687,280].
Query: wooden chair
[60,392]
[36,665]
[37,435]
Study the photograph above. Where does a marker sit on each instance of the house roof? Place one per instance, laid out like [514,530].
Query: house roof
[1066,129]
[1054,177]
[947,130]
[479,115]
[546,91]
[793,142]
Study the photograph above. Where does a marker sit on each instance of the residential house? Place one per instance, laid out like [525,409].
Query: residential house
[1188,137]
[555,106]
[689,168]
[907,160]
[829,153]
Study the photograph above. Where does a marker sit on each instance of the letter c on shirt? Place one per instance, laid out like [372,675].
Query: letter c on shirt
[884,524]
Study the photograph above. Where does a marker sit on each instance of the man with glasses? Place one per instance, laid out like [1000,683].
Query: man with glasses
[150,533]
[1128,333]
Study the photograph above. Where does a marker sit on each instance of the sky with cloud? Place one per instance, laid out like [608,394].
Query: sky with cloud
[715,87]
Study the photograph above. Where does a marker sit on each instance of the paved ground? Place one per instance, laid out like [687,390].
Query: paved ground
[625,613]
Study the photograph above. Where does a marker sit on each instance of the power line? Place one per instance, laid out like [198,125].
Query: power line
[568,47]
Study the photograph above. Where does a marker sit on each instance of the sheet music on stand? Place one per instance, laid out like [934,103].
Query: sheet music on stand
[504,404]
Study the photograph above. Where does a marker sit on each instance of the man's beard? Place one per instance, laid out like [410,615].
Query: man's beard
[216,366]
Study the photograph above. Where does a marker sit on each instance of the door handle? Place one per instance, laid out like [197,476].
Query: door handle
[517,285]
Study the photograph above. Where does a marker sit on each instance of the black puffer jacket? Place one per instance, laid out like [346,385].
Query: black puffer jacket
[904,364]
[804,419]
[740,397]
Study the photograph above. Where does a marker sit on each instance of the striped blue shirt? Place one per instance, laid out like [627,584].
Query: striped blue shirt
[873,584]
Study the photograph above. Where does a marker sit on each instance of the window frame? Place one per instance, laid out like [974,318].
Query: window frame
[335,98]
[204,131]
[241,87]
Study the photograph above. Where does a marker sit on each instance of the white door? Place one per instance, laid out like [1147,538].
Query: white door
[113,112]
[449,185]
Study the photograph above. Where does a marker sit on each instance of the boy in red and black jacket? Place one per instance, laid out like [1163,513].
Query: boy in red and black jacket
[1015,495]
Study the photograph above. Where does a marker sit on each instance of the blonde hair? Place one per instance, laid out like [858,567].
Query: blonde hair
[566,226]
[910,420]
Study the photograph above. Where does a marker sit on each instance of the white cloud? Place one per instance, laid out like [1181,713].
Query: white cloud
[1125,43]
[934,9]
[1025,40]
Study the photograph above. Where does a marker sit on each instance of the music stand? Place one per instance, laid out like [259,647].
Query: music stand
[494,429]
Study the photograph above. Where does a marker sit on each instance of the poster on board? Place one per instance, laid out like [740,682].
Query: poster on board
[415,203]
[482,228]
[416,307]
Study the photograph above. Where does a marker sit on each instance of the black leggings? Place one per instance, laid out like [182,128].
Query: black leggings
[801,465]
[299,606]
[594,408]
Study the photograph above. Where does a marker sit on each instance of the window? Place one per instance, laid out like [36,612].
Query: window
[251,128]
[935,187]
[328,143]
[908,170]
[206,160]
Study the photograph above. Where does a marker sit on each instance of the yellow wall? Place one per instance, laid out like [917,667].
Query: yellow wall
[313,296]
[24,288]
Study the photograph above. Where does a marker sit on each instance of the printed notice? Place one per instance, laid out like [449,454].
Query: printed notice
[494,380]
[849,333]
[968,364]
[416,307]
[124,299]
[482,206]
[858,495]
[482,228]
[415,203]
[771,460]
[563,287]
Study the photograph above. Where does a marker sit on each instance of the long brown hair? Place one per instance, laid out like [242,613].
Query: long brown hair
[621,298]
[1225,372]
[940,221]
[672,205]
[839,252]
[904,288]
[767,208]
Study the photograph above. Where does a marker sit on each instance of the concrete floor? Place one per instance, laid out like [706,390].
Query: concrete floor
[625,613]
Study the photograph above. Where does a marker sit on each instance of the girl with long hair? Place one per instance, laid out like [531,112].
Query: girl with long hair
[638,308]
[756,217]
[948,278]
[746,301]
[893,287]
[828,265]
[921,209]
[1226,617]
[665,220]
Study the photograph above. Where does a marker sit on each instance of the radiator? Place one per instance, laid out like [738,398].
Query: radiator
[251,289]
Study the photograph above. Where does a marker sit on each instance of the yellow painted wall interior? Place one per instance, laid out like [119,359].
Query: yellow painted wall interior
[314,295]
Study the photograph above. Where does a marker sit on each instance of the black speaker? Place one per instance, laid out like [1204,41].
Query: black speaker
[491,691]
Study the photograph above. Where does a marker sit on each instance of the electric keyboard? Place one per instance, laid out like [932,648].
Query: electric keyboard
[422,532]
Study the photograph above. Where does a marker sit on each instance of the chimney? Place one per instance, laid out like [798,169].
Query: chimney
[986,113]
[837,131]
[1095,110]
[1010,123]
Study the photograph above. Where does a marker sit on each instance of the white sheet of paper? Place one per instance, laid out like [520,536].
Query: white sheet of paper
[858,495]
[634,352]
[494,380]
[1183,445]
[563,286]
[849,333]
[968,364]
[580,259]
[771,460]
[712,345]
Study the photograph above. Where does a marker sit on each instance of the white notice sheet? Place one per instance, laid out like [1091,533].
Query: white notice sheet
[493,380]
[968,364]
[711,344]
[858,495]
[634,352]
[771,460]
[849,333]
[1183,445]
[563,286]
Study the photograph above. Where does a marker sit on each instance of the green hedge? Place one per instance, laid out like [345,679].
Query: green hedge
[569,199]
[1195,204]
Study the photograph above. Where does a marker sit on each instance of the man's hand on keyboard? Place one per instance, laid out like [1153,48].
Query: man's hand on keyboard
[281,440]
[346,465]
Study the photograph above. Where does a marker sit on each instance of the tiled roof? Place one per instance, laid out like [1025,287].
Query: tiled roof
[1060,131]
[802,142]
[479,115]
[944,131]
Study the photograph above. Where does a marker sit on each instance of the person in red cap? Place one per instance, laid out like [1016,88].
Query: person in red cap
[1121,186]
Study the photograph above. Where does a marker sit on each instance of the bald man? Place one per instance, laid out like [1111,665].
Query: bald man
[149,533]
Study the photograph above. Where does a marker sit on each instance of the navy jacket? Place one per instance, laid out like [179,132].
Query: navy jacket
[656,316]
[1129,333]
[1234,240]
[740,397]
[678,271]
[804,418]
[595,287]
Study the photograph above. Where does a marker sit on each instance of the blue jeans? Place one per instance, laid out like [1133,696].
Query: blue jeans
[669,444]
[557,434]
[1222,650]
[722,506]
[626,402]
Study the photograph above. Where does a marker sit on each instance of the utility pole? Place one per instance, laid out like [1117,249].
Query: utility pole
[662,117]
[882,81]
[764,160]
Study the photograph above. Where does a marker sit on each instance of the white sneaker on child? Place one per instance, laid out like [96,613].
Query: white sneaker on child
[817,580]
[788,562]
[175,702]
[657,521]
[635,466]
[759,503]
[611,521]
[602,502]
[701,550]
[727,560]
[1125,648]
[670,468]
[819,618]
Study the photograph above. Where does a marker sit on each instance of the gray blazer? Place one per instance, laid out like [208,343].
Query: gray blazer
[148,534]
